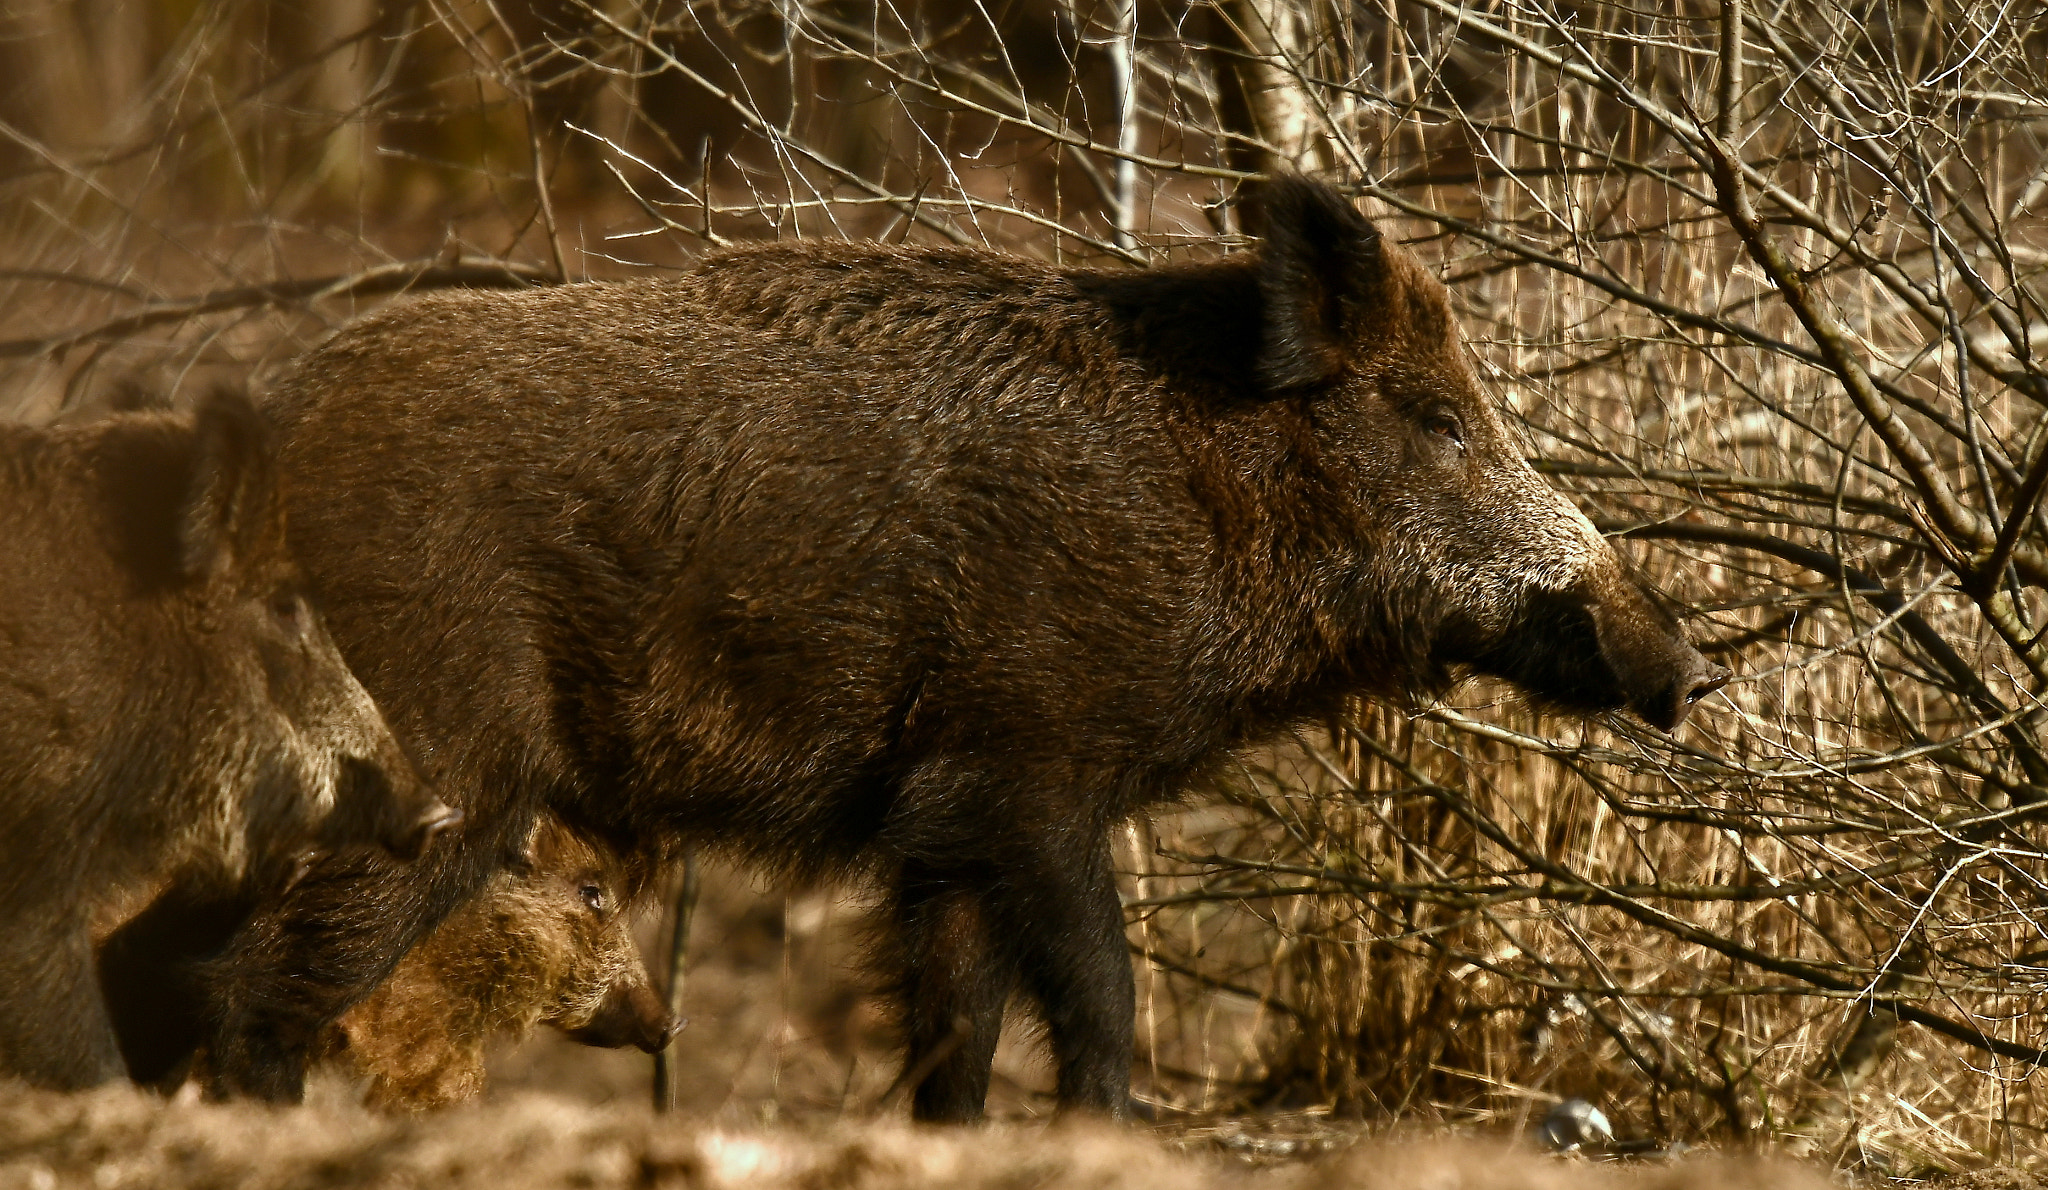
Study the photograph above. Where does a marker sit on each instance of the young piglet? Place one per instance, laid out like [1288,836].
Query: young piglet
[547,944]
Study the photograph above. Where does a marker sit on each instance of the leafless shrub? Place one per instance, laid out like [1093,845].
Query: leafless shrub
[1759,281]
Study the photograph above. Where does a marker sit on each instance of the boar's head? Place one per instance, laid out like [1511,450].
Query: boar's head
[292,753]
[1470,561]
[565,913]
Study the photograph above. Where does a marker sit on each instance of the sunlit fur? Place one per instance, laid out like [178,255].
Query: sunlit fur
[529,951]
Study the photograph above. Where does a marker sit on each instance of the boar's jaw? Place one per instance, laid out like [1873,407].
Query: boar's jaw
[384,800]
[1599,647]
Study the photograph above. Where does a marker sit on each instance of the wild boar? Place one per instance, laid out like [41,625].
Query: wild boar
[169,701]
[549,943]
[927,566]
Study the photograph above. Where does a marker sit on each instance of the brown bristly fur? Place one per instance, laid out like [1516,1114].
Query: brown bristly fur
[528,952]
[929,567]
[169,703]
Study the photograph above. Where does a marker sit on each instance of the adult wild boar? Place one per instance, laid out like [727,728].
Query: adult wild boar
[924,565]
[168,700]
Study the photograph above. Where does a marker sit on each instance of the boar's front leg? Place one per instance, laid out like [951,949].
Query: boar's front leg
[149,975]
[54,1030]
[1066,924]
[1041,915]
[955,984]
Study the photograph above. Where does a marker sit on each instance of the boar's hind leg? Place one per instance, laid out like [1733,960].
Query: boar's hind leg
[300,963]
[956,983]
[54,1030]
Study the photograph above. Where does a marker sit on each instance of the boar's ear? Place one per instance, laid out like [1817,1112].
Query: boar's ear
[1319,264]
[231,513]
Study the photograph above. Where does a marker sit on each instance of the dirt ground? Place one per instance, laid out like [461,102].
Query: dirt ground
[118,1138]
[786,1072]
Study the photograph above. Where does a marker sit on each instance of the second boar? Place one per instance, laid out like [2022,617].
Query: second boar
[169,703]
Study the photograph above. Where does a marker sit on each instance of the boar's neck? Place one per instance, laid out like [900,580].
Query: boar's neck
[1288,601]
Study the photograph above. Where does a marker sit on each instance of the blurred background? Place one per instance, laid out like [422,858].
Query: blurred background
[1760,283]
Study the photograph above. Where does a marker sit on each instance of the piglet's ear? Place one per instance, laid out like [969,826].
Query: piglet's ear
[1320,264]
[231,513]
[522,859]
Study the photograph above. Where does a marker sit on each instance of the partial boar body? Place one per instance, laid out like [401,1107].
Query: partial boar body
[168,700]
[549,944]
[928,565]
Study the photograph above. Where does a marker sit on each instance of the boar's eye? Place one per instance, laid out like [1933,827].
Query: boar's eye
[288,609]
[593,897]
[1446,426]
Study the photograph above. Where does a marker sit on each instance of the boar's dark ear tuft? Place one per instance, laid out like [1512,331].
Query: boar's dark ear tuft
[230,513]
[1319,262]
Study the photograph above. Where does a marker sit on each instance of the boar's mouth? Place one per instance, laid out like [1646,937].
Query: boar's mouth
[1588,651]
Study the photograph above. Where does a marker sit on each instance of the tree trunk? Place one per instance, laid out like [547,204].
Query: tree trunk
[1270,119]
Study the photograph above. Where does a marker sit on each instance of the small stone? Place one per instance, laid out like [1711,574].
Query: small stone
[1575,1124]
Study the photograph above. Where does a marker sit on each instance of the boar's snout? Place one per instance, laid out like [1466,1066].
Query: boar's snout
[631,1014]
[1658,673]
[1670,709]
[1600,645]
